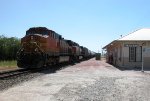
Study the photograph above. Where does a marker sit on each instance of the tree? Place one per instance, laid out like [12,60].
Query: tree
[9,47]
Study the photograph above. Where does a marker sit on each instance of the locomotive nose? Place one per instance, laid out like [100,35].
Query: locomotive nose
[31,55]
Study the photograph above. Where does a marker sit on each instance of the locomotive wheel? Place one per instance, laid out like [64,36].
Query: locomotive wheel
[40,64]
[19,64]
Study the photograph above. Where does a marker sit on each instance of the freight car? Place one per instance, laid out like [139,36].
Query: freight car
[86,53]
[41,46]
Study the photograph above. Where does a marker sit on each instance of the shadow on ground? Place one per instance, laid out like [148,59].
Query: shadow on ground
[133,68]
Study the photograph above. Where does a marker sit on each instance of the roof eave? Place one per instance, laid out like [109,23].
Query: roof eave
[109,44]
[122,41]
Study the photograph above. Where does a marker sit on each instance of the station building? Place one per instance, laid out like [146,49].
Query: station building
[129,51]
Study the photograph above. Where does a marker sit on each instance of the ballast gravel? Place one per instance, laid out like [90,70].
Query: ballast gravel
[89,80]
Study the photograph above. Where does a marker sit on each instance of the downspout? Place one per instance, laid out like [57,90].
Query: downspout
[123,54]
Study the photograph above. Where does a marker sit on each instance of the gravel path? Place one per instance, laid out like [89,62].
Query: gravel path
[86,81]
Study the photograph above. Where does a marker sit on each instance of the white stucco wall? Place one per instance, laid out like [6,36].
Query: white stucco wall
[121,54]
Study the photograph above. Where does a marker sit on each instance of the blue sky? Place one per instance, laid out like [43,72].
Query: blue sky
[91,23]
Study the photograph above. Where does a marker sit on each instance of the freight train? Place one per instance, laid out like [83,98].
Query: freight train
[41,46]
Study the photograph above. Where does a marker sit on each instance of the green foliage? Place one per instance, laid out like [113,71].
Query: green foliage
[9,47]
[11,63]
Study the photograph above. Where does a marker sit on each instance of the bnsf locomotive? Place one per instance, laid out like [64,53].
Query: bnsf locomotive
[41,46]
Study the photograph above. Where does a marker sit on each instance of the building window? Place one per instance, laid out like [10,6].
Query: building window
[135,54]
[138,54]
[132,54]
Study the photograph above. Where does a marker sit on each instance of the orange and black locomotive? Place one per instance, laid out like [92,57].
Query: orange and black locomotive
[41,46]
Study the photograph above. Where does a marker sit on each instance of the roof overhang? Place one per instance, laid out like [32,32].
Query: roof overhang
[111,43]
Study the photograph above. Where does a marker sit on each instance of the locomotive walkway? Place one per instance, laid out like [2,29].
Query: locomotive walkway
[89,80]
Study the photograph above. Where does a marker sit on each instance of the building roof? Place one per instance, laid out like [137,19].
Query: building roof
[142,34]
[138,35]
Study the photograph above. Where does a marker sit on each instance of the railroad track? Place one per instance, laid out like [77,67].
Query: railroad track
[17,72]
[12,73]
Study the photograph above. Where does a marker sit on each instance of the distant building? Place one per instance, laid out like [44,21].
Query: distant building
[127,51]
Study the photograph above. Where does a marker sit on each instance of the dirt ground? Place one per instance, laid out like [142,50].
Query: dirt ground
[7,68]
[89,80]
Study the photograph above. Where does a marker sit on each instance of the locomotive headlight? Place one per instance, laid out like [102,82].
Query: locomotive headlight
[31,37]
[36,50]
[21,50]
